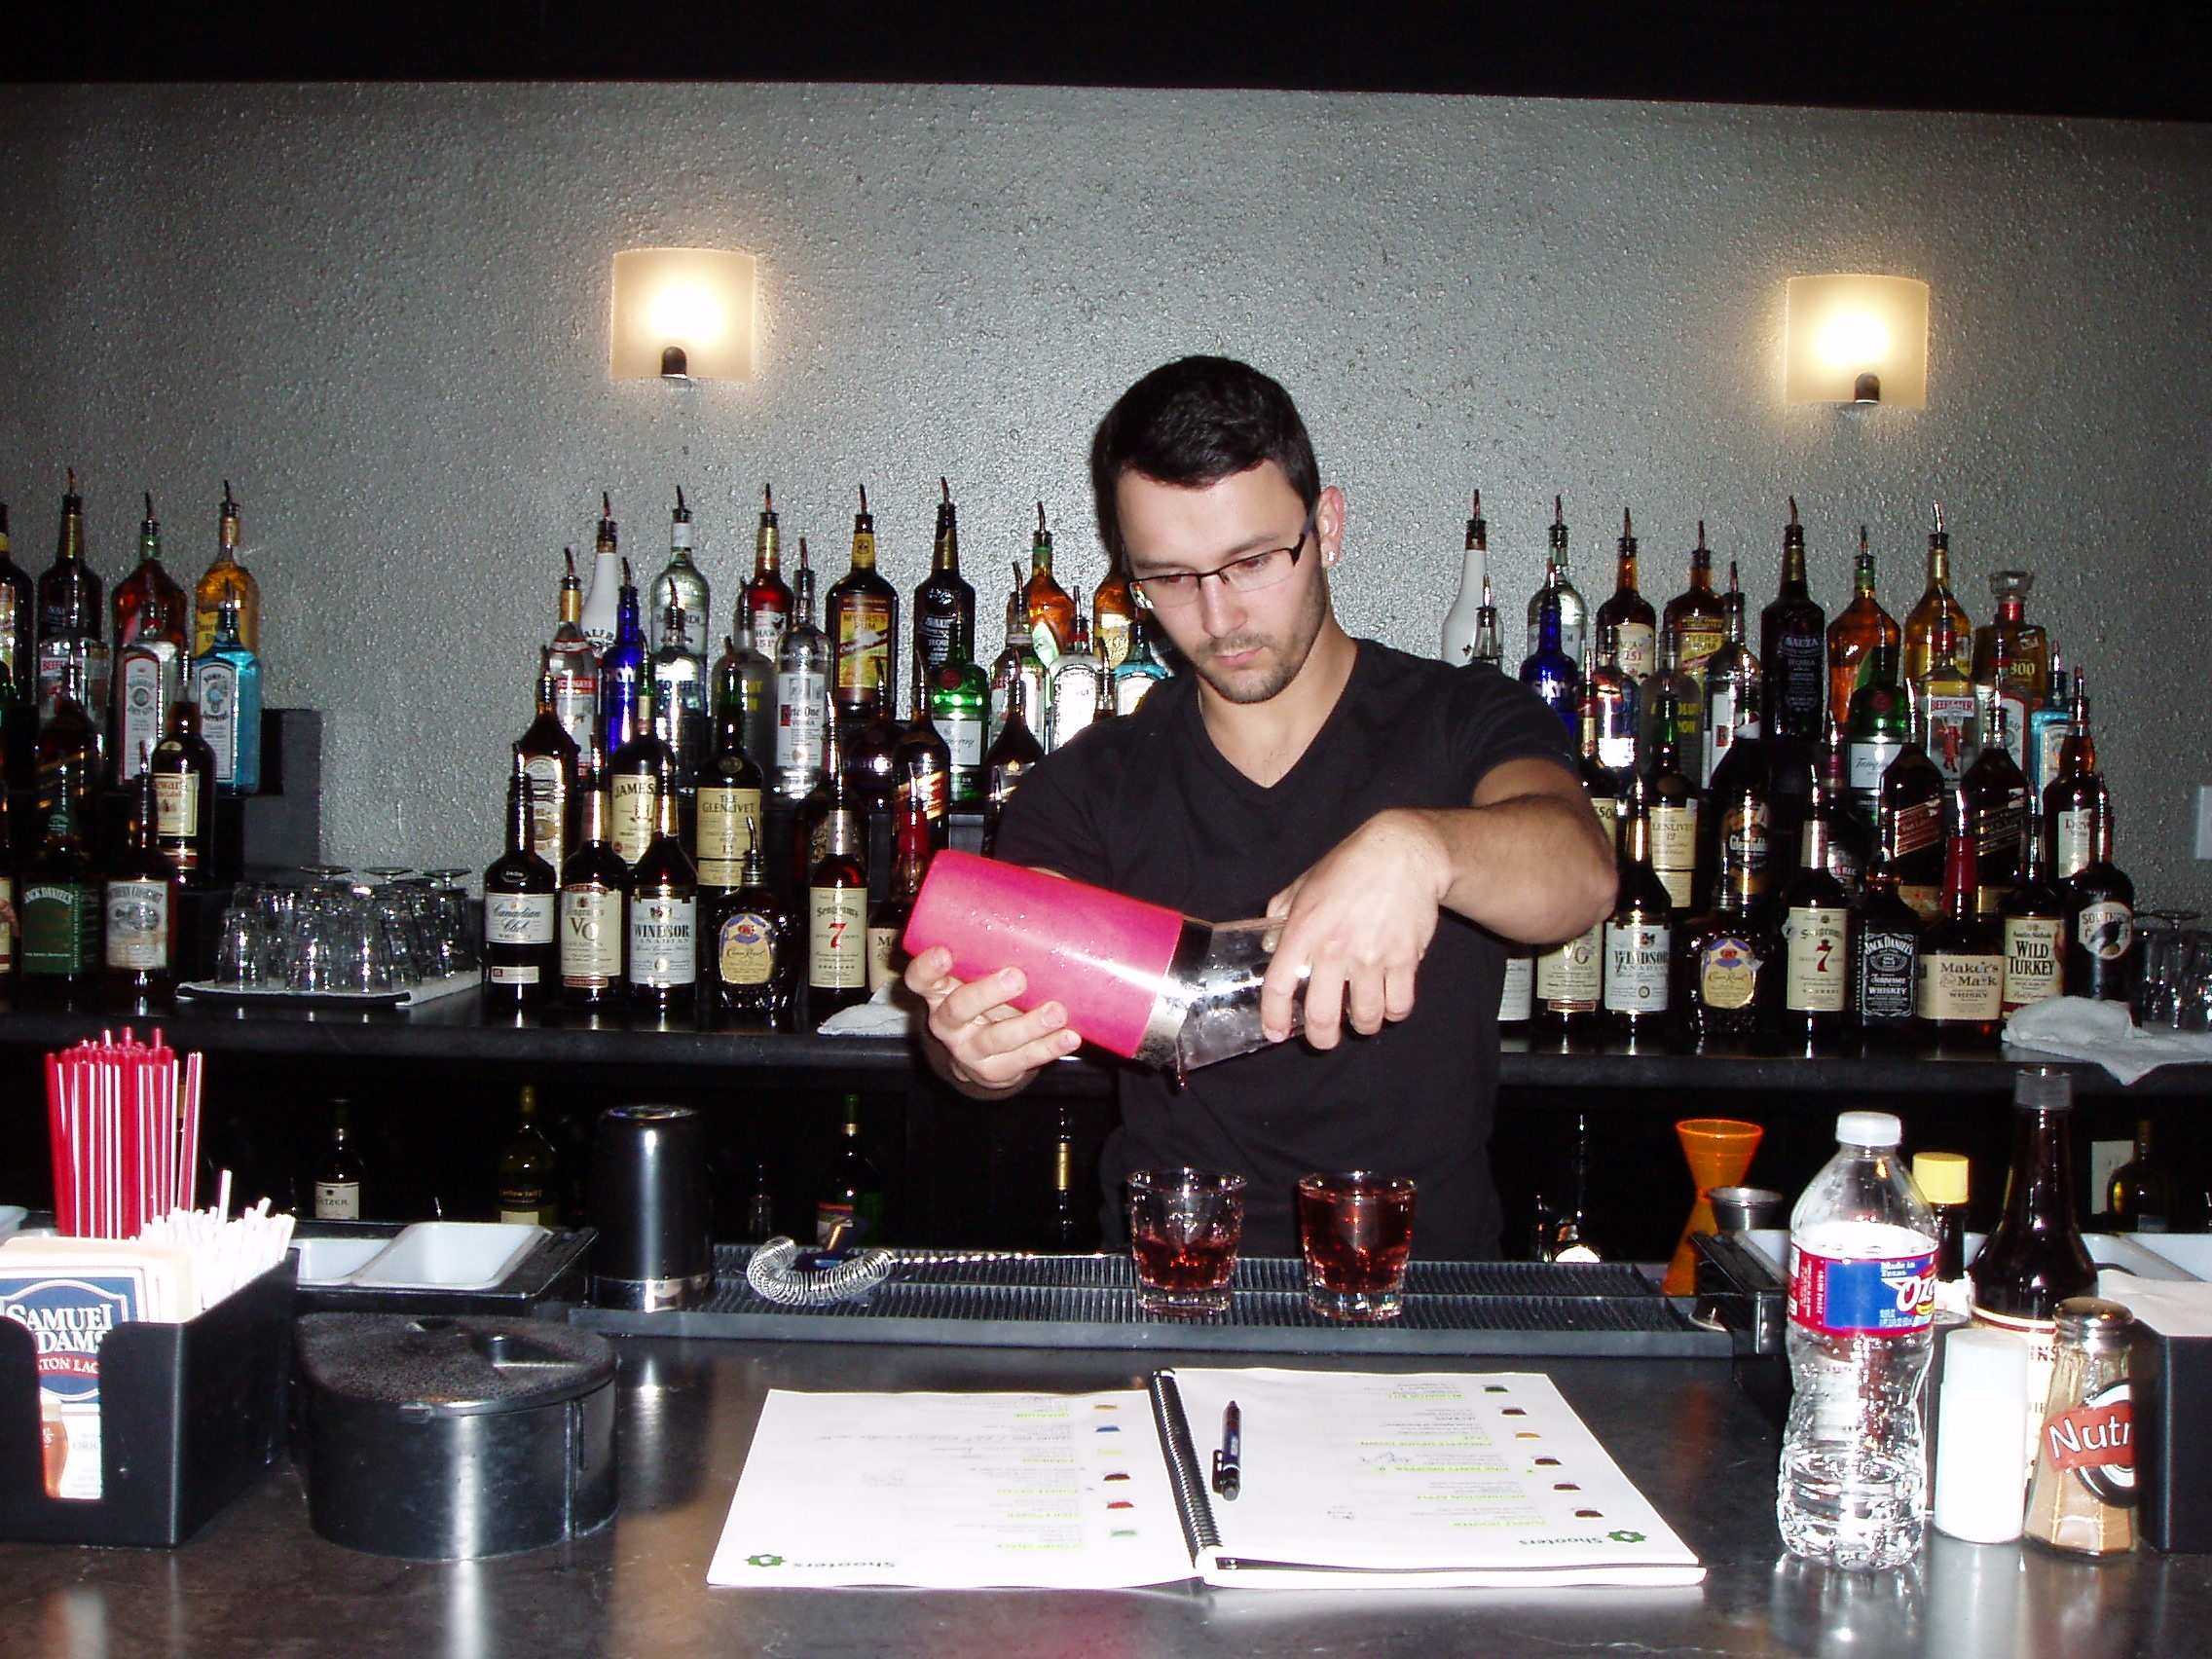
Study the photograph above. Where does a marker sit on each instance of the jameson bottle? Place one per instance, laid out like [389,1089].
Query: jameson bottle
[945,604]
[1923,649]
[1816,939]
[1734,685]
[609,577]
[1962,954]
[680,584]
[836,908]
[1044,604]
[521,955]
[1884,956]
[862,621]
[140,900]
[748,956]
[574,668]
[639,776]
[1629,614]
[1638,937]
[2101,949]
[226,581]
[728,814]
[183,767]
[664,921]
[1794,648]
[1861,632]
[1559,586]
[2032,917]
[887,922]
[1698,614]
[595,891]
[2034,1258]
[529,1185]
[767,599]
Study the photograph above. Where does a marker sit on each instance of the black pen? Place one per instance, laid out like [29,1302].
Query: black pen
[1227,1472]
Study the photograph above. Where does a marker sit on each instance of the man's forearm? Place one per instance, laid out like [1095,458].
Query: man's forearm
[1533,868]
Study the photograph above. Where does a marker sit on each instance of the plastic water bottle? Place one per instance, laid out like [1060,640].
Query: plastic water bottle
[1862,1301]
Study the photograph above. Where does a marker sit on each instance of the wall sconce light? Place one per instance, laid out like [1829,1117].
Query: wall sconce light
[1857,340]
[683,313]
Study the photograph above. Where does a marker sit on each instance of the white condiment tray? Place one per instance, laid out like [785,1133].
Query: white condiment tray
[429,1255]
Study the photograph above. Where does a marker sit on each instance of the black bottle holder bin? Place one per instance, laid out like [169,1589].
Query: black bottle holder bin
[191,1416]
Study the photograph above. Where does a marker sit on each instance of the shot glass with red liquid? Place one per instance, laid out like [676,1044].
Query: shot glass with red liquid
[1183,1228]
[1357,1228]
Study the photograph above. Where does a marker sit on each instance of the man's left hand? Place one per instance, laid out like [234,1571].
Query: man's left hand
[1356,927]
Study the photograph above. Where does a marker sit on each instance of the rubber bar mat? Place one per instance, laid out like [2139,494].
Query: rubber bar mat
[1013,1300]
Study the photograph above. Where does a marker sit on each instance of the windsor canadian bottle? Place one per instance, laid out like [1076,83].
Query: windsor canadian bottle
[664,921]
[1638,936]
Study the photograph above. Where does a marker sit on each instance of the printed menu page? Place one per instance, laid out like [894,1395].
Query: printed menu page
[948,1491]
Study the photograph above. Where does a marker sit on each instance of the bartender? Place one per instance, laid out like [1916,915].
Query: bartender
[1402,815]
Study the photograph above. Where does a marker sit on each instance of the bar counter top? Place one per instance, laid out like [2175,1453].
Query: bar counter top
[258,1581]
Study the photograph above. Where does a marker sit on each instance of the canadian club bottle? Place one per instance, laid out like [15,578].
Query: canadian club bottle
[1884,955]
[887,922]
[750,960]
[664,921]
[2034,1259]
[522,954]
[1794,648]
[862,621]
[836,906]
[141,908]
[767,602]
[1962,960]
[529,1188]
[1729,958]
[729,817]
[1629,614]
[1639,940]
[1816,939]
[2032,917]
[639,775]
[184,798]
[595,891]
[549,759]
[945,604]
[2100,926]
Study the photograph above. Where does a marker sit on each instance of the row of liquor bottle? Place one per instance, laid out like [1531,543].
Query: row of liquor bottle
[131,662]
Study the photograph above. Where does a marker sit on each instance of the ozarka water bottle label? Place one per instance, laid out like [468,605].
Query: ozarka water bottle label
[1841,1296]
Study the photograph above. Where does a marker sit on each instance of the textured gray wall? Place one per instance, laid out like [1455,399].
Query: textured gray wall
[379,310]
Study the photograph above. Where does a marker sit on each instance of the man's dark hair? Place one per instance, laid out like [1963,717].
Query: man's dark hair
[1196,422]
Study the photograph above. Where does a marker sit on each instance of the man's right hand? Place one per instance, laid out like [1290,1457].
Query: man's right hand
[982,1045]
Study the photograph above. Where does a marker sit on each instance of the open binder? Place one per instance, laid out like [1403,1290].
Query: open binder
[1349,1481]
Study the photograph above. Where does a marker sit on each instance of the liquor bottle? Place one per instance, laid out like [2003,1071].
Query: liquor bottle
[848,1205]
[1735,685]
[960,707]
[837,906]
[2078,800]
[1604,786]
[1067,1227]
[1019,662]
[1550,669]
[1638,939]
[625,671]
[149,676]
[1877,725]
[69,614]
[1569,976]
[1729,958]
[68,748]
[1860,631]
[767,602]
[2010,639]
[1113,617]
[1141,671]
[745,684]
[522,893]
[1698,614]
[338,1179]
[1559,585]
[2100,926]
[11,896]
[2034,1258]
[141,908]
[1911,837]
[574,666]
[1962,954]
[1012,753]
[1074,697]
[2033,918]
[2047,729]
[1615,695]
[1850,836]
[226,684]
[59,908]
[664,921]
[1456,645]
[595,890]
[887,922]
[760,1209]
[1565,1233]
[1921,649]
[1884,955]
[1996,794]
[1044,603]
[834,813]
[529,1174]
[922,762]
[750,960]
[1816,939]
[1738,824]
[862,620]
[1629,614]
[609,578]
[226,581]
[184,798]
[1673,808]
[19,622]
[727,815]
[945,604]
[1946,713]
[870,764]
[802,691]
[639,775]
[679,699]
[1672,697]
[682,583]
[2140,1195]
[1794,648]
[147,599]
[549,759]
[2006,693]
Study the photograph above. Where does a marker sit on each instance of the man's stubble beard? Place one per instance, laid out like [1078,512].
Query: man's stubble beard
[1306,628]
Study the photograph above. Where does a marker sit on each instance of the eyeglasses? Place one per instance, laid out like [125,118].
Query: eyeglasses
[1248,574]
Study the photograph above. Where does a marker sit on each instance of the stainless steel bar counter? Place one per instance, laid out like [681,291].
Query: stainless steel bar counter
[258,1581]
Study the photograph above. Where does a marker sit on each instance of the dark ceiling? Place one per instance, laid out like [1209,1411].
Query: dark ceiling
[2093,57]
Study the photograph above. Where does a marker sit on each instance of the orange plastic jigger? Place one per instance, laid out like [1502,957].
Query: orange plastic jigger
[1719,1152]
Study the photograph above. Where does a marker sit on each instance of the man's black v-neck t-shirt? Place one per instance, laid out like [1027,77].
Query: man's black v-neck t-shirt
[1148,806]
